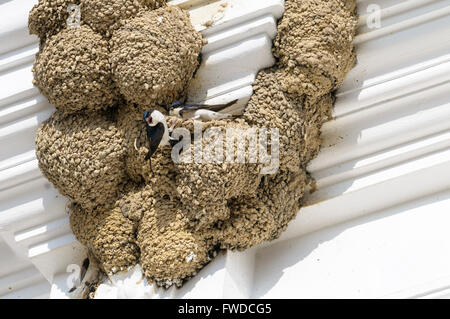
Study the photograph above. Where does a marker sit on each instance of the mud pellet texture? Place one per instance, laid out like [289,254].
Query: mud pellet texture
[109,236]
[72,70]
[48,17]
[82,156]
[206,188]
[105,16]
[155,55]
[272,108]
[170,251]
[265,216]
[314,45]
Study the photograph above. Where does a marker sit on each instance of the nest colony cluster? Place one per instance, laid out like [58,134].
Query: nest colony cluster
[128,56]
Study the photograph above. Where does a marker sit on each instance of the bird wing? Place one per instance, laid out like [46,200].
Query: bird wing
[154,135]
[215,108]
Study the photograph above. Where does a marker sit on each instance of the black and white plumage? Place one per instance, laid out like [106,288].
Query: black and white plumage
[157,132]
[201,111]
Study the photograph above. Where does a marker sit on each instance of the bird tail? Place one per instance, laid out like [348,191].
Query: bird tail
[220,107]
[213,107]
[236,110]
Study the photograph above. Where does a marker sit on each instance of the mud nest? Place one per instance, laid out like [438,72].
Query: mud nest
[110,236]
[82,156]
[129,56]
[48,17]
[264,216]
[72,70]
[154,56]
[314,45]
[107,16]
[170,250]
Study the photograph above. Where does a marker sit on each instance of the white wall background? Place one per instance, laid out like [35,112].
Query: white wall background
[376,227]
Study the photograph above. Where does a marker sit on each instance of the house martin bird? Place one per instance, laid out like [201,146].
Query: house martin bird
[200,111]
[157,132]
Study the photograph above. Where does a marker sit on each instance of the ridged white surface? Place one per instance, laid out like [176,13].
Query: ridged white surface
[376,227]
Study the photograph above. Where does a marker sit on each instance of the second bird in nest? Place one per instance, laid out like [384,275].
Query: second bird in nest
[158,133]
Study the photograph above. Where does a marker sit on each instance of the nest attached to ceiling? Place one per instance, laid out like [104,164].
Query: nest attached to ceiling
[129,56]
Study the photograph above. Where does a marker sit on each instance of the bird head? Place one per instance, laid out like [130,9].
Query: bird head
[175,109]
[153,117]
[176,104]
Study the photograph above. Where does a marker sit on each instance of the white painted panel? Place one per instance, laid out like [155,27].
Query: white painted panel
[376,255]
[376,227]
